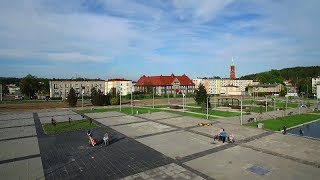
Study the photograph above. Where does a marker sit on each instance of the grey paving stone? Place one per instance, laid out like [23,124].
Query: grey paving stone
[55,113]
[239,132]
[12,116]
[111,121]
[287,145]
[13,123]
[179,143]
[19,148]
[142,128]
[184,122]
[105,114]
[158,115]
[17,132]
[62,118]
[24,169]
[233,163]
[167,174]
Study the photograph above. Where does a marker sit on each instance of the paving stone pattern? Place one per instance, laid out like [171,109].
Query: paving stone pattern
[170,171]
[68,156]
[9,133]
[16,123]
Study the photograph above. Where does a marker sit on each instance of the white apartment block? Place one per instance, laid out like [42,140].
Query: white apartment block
[61,88]
[315,82]
[123,84]
[214,86]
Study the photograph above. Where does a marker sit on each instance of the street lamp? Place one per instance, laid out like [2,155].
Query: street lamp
[168,98]
[120,95]
[241,118]
[266,103]
[131,101]
[153,98]
[82,92]
[208,97]
[183,104]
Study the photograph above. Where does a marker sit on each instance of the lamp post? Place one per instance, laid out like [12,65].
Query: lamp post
[82,92]
[153,98]
[183,104]
[241,118]
[266,104]
[168,98]
[208,97]
[131,102]
[120,96]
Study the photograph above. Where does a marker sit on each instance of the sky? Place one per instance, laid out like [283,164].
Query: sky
[130,38]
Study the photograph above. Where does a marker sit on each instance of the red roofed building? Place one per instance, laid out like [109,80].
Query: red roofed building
[165,84]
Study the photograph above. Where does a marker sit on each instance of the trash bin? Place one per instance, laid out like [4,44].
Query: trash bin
[260,125]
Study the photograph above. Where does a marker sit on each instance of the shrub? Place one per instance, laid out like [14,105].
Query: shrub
[115,101]
[72,98]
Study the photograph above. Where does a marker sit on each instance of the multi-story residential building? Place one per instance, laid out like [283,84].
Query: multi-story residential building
[265,89]
[61,88]
[215,86]
[123,84]
[13,89]
[165,84]
[315,82]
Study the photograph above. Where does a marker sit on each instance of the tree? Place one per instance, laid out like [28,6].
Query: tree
[98,98]
[283,91]
[5,89]
[201,95]
[29,85]
[72,98]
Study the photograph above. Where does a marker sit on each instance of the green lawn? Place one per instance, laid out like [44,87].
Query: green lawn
[288,121]
[65,126]
[214,112]
[126,110]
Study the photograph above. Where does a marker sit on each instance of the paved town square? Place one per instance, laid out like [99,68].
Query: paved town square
[158,145]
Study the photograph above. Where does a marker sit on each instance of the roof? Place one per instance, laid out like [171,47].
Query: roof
[265,85]
[118,79]
[164,80]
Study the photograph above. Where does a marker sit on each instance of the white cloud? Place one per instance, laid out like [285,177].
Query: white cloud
[203,10]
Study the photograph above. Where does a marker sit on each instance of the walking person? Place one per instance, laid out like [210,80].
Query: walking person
[284,130]
[223,135]
[300,132]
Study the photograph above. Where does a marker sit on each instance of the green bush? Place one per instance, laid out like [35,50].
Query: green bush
[115,101]
[72,98]
[56,98]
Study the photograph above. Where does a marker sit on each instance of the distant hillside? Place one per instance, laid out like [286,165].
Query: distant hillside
[299,76]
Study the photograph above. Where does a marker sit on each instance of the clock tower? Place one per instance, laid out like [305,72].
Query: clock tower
[232,71]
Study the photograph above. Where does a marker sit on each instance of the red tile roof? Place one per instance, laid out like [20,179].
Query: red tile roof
[164,80]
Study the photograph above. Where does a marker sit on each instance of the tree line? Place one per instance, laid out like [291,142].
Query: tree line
[300,77]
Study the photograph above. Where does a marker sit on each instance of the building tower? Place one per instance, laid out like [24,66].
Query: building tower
[232,71]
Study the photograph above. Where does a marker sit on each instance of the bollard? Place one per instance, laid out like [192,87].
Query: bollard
[137,112]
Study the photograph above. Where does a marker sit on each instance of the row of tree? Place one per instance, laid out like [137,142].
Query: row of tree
[300,77]
[29,85]
[97,98]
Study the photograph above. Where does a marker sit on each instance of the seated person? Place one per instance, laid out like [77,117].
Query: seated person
[231,138]
[92,141]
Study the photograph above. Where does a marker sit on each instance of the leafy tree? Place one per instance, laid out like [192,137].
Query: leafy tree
[29,85]
[72,98]
[201,95]
[98,98]
[283,91]
[5,89]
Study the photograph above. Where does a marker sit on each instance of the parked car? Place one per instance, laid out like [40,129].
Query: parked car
[19,97]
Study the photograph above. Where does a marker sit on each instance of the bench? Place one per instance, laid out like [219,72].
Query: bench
[290,113]
[251,119]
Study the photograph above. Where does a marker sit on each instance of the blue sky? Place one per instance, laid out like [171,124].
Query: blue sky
[129,38]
